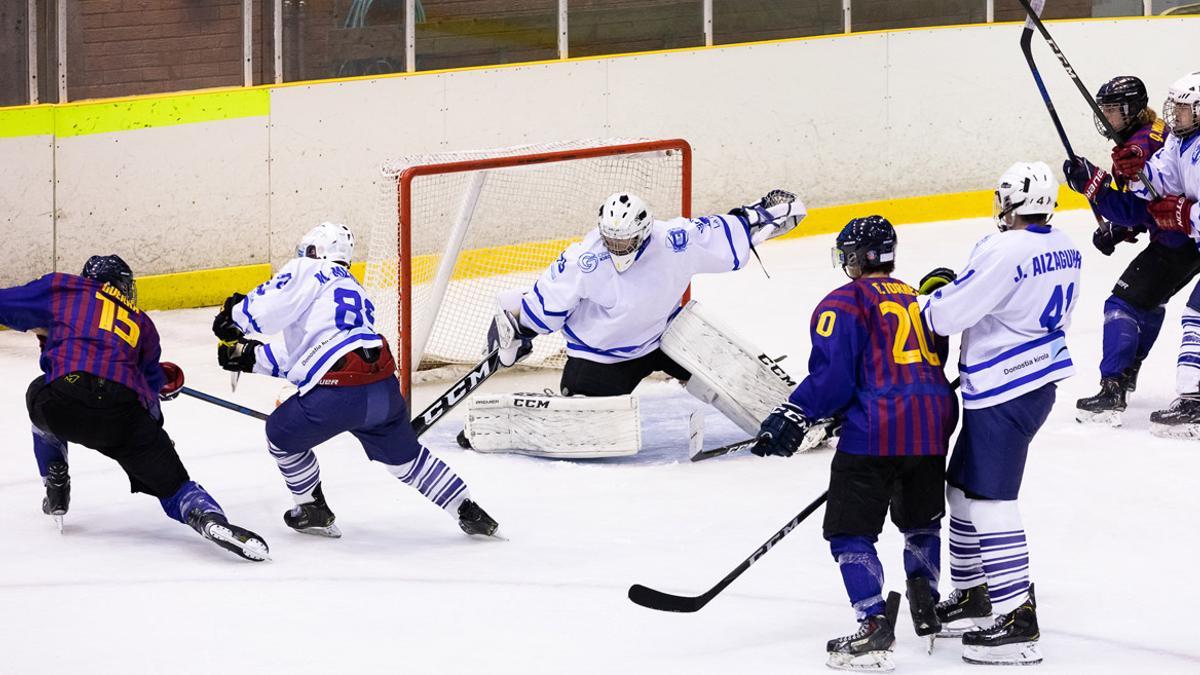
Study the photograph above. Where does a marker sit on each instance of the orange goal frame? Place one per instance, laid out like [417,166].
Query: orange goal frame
[404,195]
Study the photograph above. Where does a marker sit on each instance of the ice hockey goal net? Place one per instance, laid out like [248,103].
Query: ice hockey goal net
[454,229]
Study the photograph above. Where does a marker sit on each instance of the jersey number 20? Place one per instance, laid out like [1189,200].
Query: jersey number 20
[908,319]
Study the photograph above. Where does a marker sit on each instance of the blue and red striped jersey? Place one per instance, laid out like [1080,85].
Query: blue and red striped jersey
[875,365]
[90,327]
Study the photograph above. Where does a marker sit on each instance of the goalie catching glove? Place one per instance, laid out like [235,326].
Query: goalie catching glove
[507,336]
[779,212]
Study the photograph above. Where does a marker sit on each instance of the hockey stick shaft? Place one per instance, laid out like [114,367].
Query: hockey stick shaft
[1109,131]
[652,599]
[228,405]
[457,393]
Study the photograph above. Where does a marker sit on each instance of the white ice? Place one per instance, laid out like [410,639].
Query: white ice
[1110,515]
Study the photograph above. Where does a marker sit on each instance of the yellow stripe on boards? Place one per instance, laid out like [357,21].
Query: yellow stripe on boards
[141,112]
[27,120]
[200,288]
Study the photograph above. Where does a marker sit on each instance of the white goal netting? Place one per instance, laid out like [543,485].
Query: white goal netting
[477,231]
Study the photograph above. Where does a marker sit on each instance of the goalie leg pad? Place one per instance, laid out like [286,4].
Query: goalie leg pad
[555,426]
[727,371]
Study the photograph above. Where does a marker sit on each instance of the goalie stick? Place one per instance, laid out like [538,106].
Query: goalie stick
[1034,8]
[666,602]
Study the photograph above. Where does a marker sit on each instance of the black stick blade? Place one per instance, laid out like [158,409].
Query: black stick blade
[664,602]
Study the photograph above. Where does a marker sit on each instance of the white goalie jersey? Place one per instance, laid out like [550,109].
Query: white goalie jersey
[609,316]
[322,312]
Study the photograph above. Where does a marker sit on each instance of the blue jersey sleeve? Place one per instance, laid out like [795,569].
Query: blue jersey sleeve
[149,357]
[27,307]
[1123,208]
[839,333]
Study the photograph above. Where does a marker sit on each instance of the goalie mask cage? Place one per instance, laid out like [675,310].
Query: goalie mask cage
[456,229]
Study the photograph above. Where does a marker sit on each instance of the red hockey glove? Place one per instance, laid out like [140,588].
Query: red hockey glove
[1173,213]
[1128,160]
[174,381]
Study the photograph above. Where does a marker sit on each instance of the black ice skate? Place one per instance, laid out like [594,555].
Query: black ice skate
[870,647]
[1105,407]
[215,528]
[1011,641]
[474,520]
[1180,420]
[313,517]
[1129,378]
[924,612]
[58,492]
[964,610]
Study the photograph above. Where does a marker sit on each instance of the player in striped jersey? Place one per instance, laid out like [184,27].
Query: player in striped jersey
[101,389]
[875,366]
[345,375]
[1012,304]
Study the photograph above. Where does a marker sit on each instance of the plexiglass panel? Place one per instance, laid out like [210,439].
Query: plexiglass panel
[751,20]
[620,26]
[458,33]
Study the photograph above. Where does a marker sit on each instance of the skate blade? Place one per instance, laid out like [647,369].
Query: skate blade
[931,641]
[331,531]
[870,662]
[1110,418]
[58,520]
[253,548]
[955,629]
[1016,654]
[1180,431]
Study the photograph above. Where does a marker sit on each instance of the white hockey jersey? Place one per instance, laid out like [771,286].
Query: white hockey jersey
[609,316]
[322,312]
[1175,170]
[1012,305]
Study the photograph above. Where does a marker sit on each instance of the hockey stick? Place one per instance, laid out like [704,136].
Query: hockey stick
[228,405]
[666,602]
[1035,21]
[457,392]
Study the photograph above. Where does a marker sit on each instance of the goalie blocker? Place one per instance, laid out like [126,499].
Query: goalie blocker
[554,426]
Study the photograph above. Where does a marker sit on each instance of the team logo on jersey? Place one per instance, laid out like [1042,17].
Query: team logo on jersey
[588,262]
[703,222]
[678,239]
[562,262]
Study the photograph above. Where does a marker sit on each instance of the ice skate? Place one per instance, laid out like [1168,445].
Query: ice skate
[1011,641]
[964,610]
[869,648]
[474,520]
[924,611]
[215,528]
[1180,420]
[58,493]
[313,517]
[1105,407]
[1130,377]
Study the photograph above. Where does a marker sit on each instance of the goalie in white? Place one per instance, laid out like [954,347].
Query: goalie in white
[614,294]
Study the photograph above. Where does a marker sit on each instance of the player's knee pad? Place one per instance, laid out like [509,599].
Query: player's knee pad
[554,426]
[740,381]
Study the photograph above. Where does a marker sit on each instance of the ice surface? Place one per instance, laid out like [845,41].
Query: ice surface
[1110,515]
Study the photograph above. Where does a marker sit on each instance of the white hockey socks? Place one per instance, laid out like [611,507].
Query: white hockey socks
[300,471]
[966,567]
[1187,371]
[433,478]
[1004,552]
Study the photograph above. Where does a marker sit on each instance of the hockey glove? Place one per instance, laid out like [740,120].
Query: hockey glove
[237,355]
[782,432]
[1173,213]
[777,213]
[1085,178]
[1106,241]
[936,279]
[223,326]
[509,337]
[1128,160]
[174,381]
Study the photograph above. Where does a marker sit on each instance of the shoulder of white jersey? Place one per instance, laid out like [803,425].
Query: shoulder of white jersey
[584,256]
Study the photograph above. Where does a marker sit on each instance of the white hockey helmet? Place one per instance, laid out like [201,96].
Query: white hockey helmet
[624,223]
[1183,97]
[328,241]
[1026,189]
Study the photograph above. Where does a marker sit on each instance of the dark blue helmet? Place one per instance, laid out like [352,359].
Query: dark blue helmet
[866,243]
[1125,95]
[111,269]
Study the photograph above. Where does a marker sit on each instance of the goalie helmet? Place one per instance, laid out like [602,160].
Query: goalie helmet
[624,223]
[111,269]
[1026,189]
[1183,98]
[865,244]
[1122,100]
[328,241]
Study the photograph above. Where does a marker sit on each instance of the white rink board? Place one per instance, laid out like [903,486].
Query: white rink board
[27,206]
[1110,517]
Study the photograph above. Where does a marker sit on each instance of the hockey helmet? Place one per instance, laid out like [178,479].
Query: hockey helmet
[1026,189]
[111,269]
[865,244]
[1121,99]
[624,224]
[1183,97]
[328,241]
